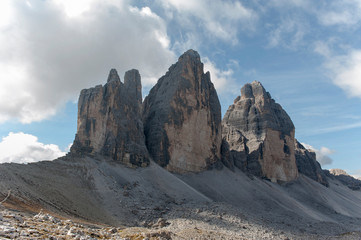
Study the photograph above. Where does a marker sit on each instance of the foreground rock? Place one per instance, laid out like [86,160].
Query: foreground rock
[206,222]
[109,121]
[182,118]
[308,165]
[258,136]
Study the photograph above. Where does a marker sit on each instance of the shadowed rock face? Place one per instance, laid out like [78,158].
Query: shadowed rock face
[109,121]
[258,136]
[344,178]
[182,118]
[308,165]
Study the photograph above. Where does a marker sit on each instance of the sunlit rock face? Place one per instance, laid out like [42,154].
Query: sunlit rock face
[259,136]
[109,121]
[182,118]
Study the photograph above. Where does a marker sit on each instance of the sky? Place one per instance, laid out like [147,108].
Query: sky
[306,53]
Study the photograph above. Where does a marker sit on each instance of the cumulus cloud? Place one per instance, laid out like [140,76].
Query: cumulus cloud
[322,154]
[344,70]
[347,72]
[222,79]
[50,50]
[221,19]
[25,148]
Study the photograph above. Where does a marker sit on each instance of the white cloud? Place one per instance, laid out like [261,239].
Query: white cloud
[322,154]
[50,50]
[222,79]
[289,33]
[67,149]
[290,3]
[322,48]
[344,70]
[345,12]
[347,72]
[221,19]
[25,148]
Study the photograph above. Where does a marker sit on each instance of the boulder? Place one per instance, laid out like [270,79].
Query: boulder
[260,136]
[109,121]
[182,118]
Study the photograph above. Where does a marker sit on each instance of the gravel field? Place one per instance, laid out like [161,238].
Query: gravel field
[97,199]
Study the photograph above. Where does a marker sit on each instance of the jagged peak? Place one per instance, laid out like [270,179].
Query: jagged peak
[132,75]
[190,55]
[113,75]
[133,84]
[253,90]
[337,171]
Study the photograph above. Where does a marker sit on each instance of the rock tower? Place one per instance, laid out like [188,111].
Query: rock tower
[182,118]
[259,136]
[109,121]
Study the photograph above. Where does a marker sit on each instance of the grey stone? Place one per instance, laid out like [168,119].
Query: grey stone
[133,86]
[344,178]
[258,136]
[308,165]
[182,118]
[109,121]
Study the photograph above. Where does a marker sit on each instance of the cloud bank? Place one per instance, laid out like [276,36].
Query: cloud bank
[322,154]
[25,148]
[50,50]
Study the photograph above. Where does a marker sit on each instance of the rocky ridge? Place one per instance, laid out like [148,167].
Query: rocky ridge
[344,178]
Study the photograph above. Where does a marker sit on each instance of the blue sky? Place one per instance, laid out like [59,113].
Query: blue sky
[307,54]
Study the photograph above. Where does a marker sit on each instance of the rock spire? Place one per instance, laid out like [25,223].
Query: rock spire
[258,136]
[182,118]
[109,121]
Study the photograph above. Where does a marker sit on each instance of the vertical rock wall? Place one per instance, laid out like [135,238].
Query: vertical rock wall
[109,121]
[182,118]
[259,136]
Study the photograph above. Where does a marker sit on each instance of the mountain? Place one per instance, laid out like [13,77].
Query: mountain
[170,166]
[344,178]
[182,118]
[110,123]
[260,135]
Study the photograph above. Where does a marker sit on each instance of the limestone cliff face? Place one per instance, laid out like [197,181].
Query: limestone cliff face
[308,165]
[258,136]
[182,118]
[109,121]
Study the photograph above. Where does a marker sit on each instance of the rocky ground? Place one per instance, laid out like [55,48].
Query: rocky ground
[213,221]
[151,203]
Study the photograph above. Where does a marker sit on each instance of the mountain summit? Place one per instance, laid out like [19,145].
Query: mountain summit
[259,135]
